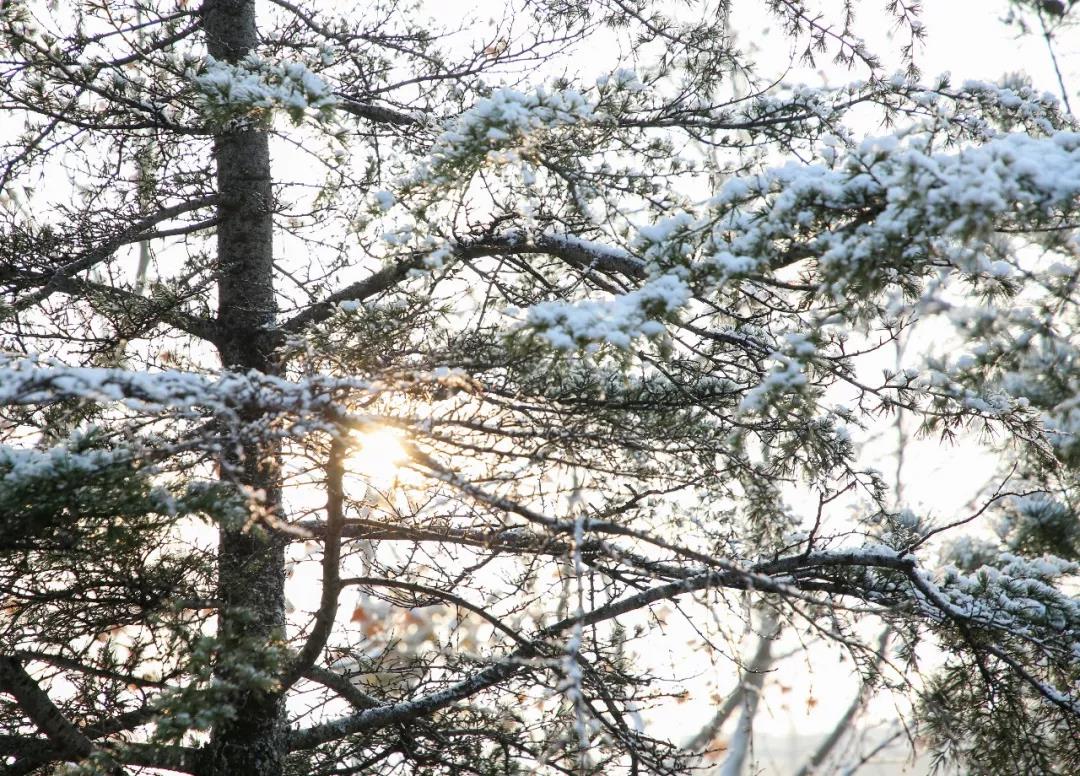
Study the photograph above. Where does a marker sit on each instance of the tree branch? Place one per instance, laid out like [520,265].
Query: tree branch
[142,307]
[581,254]
[443,596]
[810,767]
[331,573]
[518,660]
[40,709]
[376,113]
[755,667]
[513,540]
[342,686]
[750,695]
[95,255]
[74,665]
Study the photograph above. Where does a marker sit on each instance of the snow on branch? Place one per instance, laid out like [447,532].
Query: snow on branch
[32,381]
[891,209]
[617,321]
[254,87]
[498,129]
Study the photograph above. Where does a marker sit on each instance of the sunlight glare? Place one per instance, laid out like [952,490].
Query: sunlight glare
[378,456]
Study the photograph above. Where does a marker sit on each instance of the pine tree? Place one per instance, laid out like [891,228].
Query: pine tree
[383,397]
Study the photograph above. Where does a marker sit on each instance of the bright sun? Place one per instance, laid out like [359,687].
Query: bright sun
[378,456]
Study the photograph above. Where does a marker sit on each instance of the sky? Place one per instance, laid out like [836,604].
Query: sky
[966,38]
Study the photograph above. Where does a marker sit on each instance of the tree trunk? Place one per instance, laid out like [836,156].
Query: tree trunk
[251,568]
[739,743]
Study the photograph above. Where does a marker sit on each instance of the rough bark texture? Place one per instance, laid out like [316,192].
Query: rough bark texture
[251,568]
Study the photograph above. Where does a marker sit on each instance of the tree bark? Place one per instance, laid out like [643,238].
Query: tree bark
[251,563]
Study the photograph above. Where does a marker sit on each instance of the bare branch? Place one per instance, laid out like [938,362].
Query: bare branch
[331,581]
[40,709]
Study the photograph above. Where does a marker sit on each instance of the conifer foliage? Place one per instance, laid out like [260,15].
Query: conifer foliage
[386,391]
